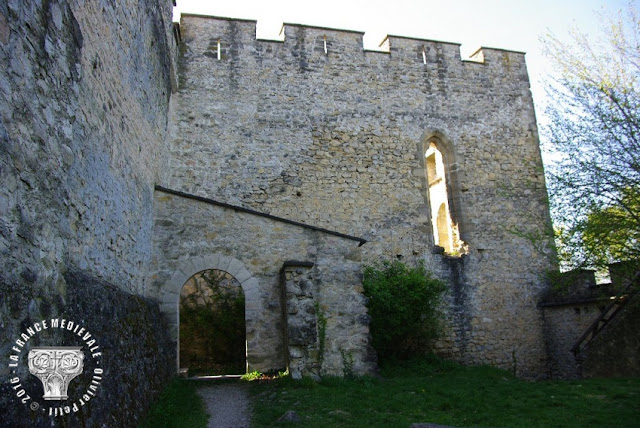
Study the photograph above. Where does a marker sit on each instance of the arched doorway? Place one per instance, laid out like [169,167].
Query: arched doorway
[170,299]
[212,324]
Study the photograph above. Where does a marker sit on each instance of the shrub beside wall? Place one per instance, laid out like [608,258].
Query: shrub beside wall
[404,305]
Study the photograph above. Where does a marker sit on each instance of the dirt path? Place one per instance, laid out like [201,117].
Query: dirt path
[227,404]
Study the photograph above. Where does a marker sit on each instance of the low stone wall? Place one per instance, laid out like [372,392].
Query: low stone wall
[194,234]
[135,355]
[571,306]
[564,325]
[616,350]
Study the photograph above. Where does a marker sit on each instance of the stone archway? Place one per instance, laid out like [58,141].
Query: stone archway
[212,325]
[170,298]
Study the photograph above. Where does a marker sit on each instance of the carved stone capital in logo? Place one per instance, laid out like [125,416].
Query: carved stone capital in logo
[56,367]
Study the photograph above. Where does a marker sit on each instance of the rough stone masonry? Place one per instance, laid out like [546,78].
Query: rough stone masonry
[288,164]
[84,101]
[317,130]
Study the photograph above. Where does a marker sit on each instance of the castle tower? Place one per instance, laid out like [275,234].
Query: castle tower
[317,130]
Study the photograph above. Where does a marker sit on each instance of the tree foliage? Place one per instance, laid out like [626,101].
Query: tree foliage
[404,305]
[594,143]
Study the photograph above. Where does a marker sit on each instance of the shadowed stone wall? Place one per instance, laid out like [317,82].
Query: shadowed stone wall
[615,352]
[136,358]
[573,305]
[338,140]
[565,324]
[302,328]
[85,92]
[612,353]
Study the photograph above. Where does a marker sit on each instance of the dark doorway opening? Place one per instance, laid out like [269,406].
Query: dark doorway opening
[212,325]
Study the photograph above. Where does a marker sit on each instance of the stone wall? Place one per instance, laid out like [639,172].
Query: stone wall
[565,324]
[572,305]
[85,92]
[194,234]
[337,139]
[84,105]
[615,352]
[136,357]
[302,321]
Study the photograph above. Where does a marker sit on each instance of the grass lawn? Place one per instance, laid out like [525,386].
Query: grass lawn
[178,406]
[445,393]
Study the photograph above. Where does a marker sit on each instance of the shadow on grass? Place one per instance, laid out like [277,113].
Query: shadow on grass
[422,390]
[179,405]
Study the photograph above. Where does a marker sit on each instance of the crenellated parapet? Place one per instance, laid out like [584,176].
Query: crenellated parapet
[234,39]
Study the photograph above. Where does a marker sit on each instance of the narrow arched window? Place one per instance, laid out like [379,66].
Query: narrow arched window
[445,231]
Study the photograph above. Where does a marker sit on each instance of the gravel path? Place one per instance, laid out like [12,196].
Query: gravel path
[227,405]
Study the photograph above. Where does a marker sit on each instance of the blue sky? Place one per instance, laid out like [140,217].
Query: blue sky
[507,24]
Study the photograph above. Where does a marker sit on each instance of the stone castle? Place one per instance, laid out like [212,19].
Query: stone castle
[136,153]
[422,155]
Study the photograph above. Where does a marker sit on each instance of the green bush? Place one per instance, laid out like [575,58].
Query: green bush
[404,305]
